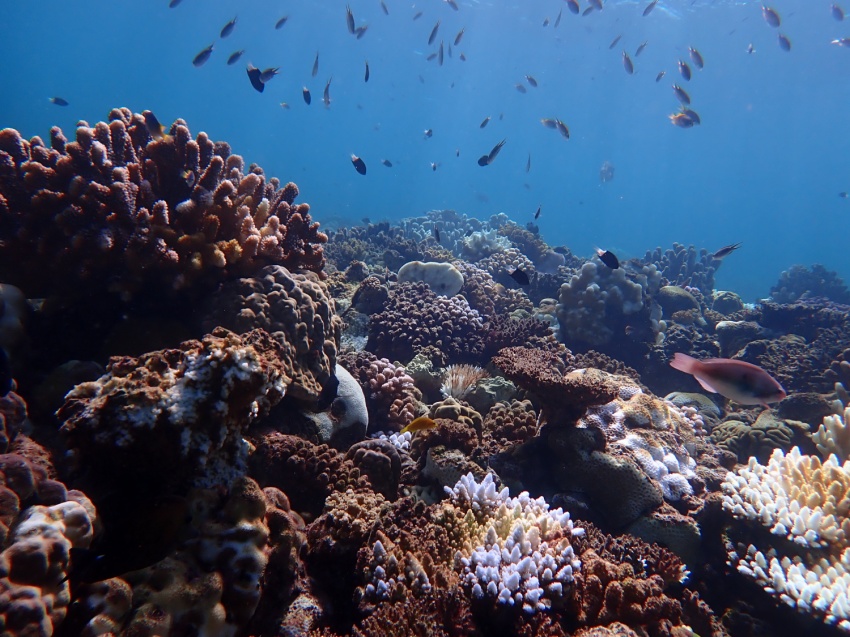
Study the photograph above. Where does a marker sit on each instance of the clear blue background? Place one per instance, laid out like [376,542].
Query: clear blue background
[765,167]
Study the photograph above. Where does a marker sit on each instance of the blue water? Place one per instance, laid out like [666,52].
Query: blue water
[765,167]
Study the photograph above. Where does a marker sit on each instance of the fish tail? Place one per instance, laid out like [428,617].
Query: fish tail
[684,363]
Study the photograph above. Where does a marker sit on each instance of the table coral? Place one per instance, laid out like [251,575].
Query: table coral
[118,210]
[296,309]
[175,417]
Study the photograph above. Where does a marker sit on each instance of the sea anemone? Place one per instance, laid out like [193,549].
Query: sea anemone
[458,380]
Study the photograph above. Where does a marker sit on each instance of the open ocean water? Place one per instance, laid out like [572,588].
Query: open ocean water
[765,167]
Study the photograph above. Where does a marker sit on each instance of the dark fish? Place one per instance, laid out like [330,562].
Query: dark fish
[842,42]
[681,120]
[428,132]
[366,76]
[227,29]
[627,63]
[485,122]
[326,95]
[549,122]
[462,57]
[770,16]
[433,35]
[696,57]
[725,251]
[558,19]
[234,57]
[174,3]
[562,128]
[453,5]
[155,129]
[387,163]
[384,8]
[349,19]
[359,164]
[449,50]
[315,70]
[254,75]
[486,160]
[608,258]
[660,75]
[692,115]
[434,166]
[436,231]
[59,101]
[305,93]
[784,42]
[520,88]
[279,24]
[843,195]
[837,12]
[640,49]
[596,4]
[649,8]
[572,5]
[432,56]
[751,48]
[614,42]
[267,74]
[203,56]
[459,37]
[681,95]
[528,164]
[520,277]
[685,70]
[417,15]
[587,11]
[440,54]
[361,31]
[537,214]
[546,22]
[531,81]
[457,152]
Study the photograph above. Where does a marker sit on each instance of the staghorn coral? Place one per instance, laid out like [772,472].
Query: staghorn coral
[119,211]
[296,310]
[415,318]
[176,417]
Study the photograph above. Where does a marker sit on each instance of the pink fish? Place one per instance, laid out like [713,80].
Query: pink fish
[742,382]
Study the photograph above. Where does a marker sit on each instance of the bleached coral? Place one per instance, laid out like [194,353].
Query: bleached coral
[670,468]
[515,550]
[806,501]
[833,436]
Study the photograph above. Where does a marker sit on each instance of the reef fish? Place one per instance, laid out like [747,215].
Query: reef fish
[279,24]
[267,74]
[685,70]
[531,80]
[696,57]
[359,164]
[234,57]
[784,42]
[608,258]
[59,101]
[486,160]
[770,16]
[315,70]
[627,63]
[227,29]
[572,5]
[520,277]
[725,251]
[326,94]
[459,36]
[419,424]
[681,95]
[649,8]
[640,48]
[349,20]
[366,76]
[433,35]
[387,163]
[837,12]
[606,172]
[254,76]
[484,122]
[305,93]
[203,56]
[745,383]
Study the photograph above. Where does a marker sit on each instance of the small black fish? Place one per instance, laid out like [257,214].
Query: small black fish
[548,122]
[387,163]
[685,70]
[203,56]
[528,164]
[725,251]
[770,16]
[234,57]
[520,88]
[457,152]
[520,277]
[436,231]
[462,57]
[587,11]
[433,35]
[681,95]
[486,160]
[660,75]
[459,36]
[608,258]
[189,177]
[558,19]
[453,5]
[546,22]
[366,76]
[227,29]
[428,133]
[784,42]
[440,54]
[155,129]
[627,63]
[562,128]
[59,101]
[691,115]
[326,94]
[837,12]
[649,8]
[279,24]
[843,195]
[640,49]
[531,81]
[485,122]
[359,164]
[254,75]
[267,74]
[431,56]
[614,42]
[696,57]
[361,31]
[417,15]
[572,5]
[349,19]
[434,166]
[174,3]
[305,93]
[315,70]
[384,8]
[842,42]
[537,214]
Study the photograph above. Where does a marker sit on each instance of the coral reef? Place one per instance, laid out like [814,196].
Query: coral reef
[685,266]
[801,282]
[442,278]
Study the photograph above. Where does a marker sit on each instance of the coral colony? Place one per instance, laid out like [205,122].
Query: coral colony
[230,387]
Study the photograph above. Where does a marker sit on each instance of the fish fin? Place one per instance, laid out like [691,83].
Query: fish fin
[684,363]
[705,385]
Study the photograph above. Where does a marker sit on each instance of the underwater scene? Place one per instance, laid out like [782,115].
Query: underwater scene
[433,318]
